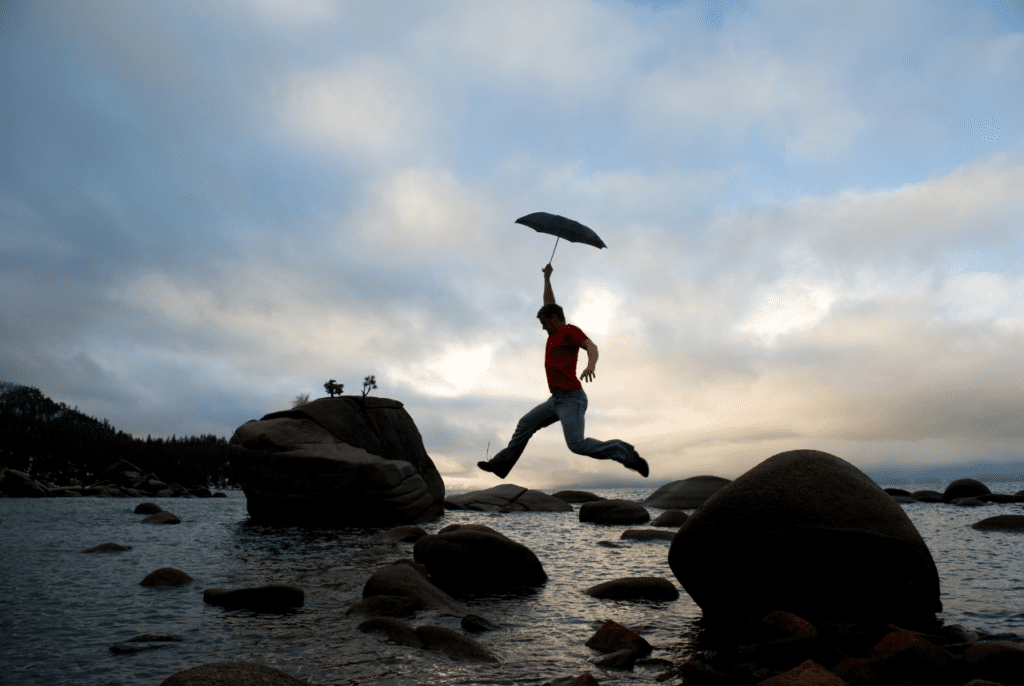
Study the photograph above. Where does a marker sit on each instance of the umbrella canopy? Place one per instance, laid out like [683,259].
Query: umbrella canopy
[562,227]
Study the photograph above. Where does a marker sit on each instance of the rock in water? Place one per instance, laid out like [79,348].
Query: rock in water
[472,558]
[614,512]
[809,533]
[507,498]
[964,488]
[274,598]
[687,493]
[336,462]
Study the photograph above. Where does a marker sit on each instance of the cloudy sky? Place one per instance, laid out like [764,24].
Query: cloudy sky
[813,211]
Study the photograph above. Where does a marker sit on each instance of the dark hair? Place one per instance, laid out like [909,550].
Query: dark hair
[549,310]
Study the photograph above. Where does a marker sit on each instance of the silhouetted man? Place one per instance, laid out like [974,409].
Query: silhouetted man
[568,402]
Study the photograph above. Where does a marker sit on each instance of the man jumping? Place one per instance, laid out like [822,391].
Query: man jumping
[568,402]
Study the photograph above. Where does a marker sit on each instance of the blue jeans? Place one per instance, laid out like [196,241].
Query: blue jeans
[567,407]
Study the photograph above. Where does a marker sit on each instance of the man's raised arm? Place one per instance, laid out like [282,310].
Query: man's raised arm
[549,295]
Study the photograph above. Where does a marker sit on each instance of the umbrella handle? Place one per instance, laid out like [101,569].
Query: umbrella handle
[556,248]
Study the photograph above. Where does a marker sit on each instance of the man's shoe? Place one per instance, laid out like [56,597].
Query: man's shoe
[639,465]
[488,467]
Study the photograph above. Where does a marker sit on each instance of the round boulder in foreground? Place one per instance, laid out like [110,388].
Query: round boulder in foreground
[841,549]
[472,558]
[232,674]
[614,512]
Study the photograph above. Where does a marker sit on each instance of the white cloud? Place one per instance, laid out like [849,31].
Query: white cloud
[368,107]
[416,211]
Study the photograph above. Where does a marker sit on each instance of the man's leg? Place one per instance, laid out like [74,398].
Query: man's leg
[571,409]
[532,422]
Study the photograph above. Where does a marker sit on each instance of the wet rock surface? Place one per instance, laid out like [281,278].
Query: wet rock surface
[507,498]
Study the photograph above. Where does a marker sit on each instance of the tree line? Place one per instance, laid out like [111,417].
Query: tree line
[57,444]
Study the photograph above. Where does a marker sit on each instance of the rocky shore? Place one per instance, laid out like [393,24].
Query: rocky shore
[805,570]
[120,480]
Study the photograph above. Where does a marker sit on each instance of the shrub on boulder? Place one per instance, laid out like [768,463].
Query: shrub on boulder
[840,548]
[472,558]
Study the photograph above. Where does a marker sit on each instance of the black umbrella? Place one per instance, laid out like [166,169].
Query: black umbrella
[559,226]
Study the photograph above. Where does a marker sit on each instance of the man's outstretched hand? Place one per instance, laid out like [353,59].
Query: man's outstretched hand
[588,374]
[547,271]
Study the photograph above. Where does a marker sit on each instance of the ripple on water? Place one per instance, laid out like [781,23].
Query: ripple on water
[63,609]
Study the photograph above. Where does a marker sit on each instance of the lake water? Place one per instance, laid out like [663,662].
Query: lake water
[61,610]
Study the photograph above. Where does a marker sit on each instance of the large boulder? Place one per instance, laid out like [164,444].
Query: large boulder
[507,498]
[472,558]
[809,533]
[687,493]
[17,484]
[337,462]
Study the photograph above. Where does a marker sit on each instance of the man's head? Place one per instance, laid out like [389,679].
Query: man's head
[551,317]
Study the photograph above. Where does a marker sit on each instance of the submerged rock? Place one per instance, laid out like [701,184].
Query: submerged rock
[842,550]
[162,517]
[167,576]
[635,588]
[273,598]
[232,674]
[337,462]
[107,548]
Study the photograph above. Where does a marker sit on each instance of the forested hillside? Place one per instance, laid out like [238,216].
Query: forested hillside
[58,444]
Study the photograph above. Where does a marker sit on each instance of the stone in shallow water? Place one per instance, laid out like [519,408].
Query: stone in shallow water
[635,588]
[272,598]
[1001,523]
[614,512]
[167,576]
[107,548]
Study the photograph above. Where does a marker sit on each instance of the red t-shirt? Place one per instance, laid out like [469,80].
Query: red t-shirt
[560,358]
